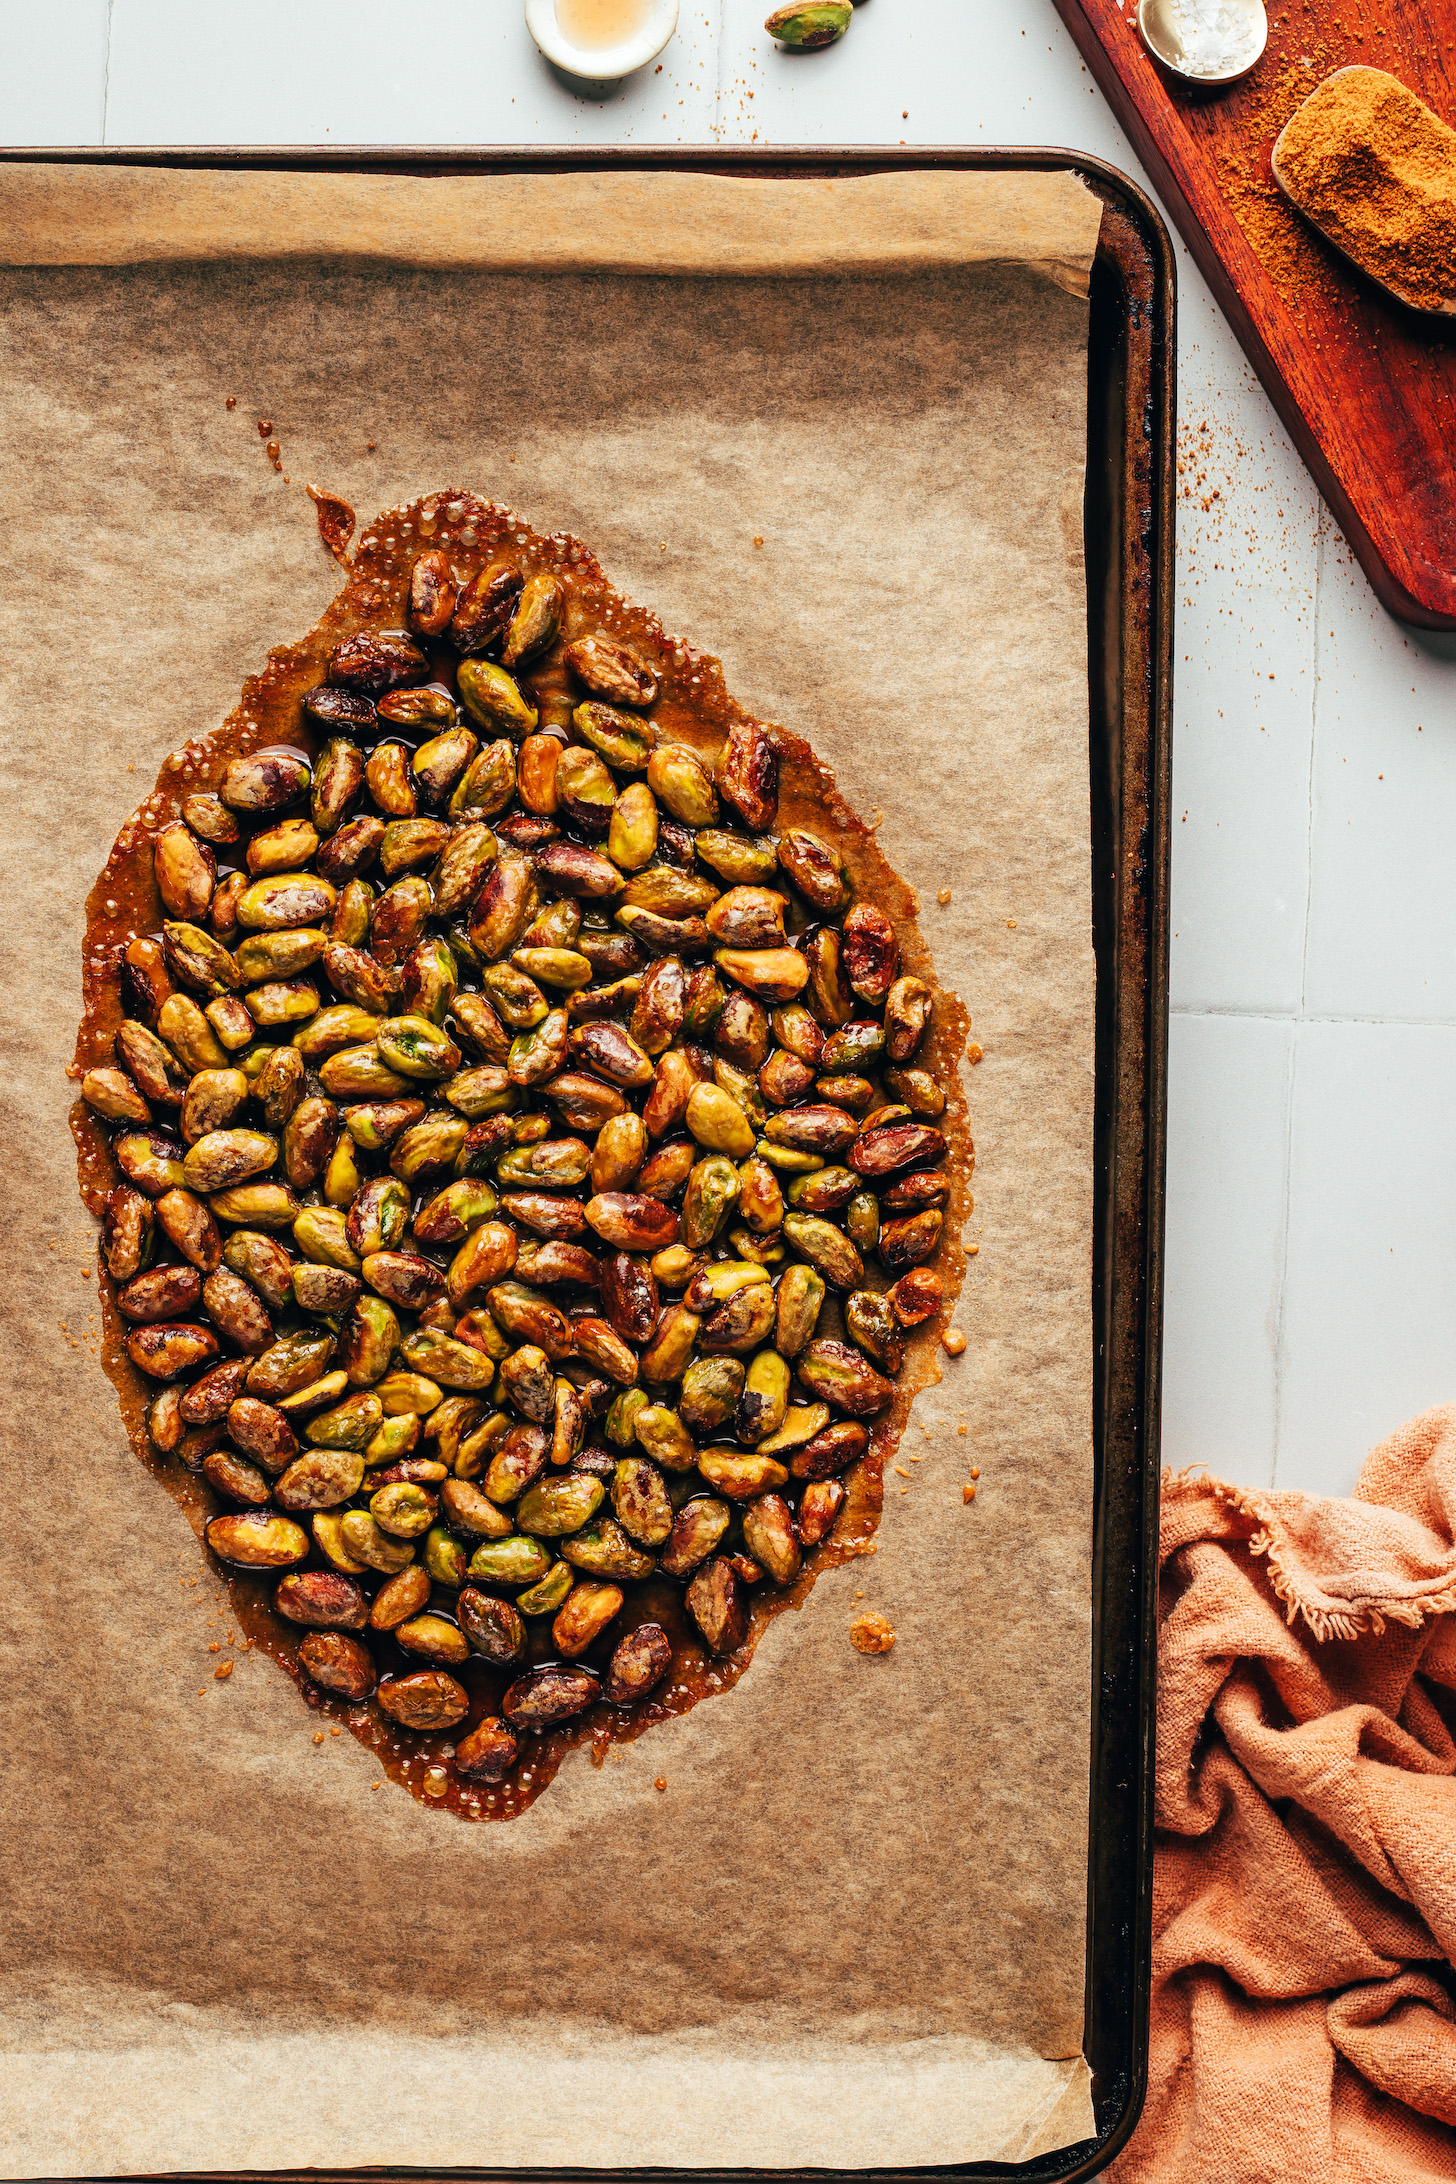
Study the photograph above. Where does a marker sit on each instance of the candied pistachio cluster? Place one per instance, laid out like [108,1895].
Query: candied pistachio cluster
[496,1108]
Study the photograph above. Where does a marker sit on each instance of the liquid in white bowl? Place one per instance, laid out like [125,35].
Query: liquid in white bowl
[592,26]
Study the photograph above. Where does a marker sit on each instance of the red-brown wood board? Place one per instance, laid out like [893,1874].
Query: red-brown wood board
[1366,387]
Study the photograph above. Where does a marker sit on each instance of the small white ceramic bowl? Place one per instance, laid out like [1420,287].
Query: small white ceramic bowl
[601,64]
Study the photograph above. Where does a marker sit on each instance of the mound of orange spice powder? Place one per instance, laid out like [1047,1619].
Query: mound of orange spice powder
[1375,170]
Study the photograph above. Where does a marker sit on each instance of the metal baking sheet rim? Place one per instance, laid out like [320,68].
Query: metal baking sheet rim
[1128,534]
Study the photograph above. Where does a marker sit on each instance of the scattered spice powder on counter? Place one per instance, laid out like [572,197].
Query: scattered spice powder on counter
[871,1633]
[1375,169]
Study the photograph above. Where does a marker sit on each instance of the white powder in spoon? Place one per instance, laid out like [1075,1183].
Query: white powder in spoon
[1217,36]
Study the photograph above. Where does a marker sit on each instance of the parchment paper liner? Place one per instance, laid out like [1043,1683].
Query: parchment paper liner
[226,1950]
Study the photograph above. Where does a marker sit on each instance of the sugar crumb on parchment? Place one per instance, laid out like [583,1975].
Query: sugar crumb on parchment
[871,1633]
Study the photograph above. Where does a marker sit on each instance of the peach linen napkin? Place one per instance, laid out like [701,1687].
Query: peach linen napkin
[1304,1914]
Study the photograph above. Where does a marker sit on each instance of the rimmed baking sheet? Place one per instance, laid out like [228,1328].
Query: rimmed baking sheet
[967,2092]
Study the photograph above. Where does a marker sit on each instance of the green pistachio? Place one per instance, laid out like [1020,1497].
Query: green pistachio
[632,835]
[415,1047]
[429,977]
[513,1561]
[826,1248]
[560,968]
[332,1030]
[321,1234]
[736,859]
[668,892]
[800,1300]
[361,1073]
[696,1532]
[801,1423]
[488,783]
[624,740]
[368,1544]
[666,1439]
[555,1507]
[279,955]
[712,1190]
[765,1397]
[769,1536]
[546,1597]
[352,913]
[585,789]
[493,699]
[605,1550]
[536,623]
[367,1341]
[515,996]
[348,1425]
[429,1147]
[680,779]
[711,1388]
[621,1423]
[862,1220]
[718,1122]
[441,1358]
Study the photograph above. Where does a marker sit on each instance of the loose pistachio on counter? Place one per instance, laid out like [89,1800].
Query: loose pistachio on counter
[806,25]
[529,1165]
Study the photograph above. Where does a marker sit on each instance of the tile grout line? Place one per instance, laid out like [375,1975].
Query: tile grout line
[1314,689]
[1281,1252]
[106,73]
[1299,1017]
[719,59]
[1281,1286]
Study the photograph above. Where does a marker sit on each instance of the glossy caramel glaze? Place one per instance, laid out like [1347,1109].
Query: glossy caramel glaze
[695,707]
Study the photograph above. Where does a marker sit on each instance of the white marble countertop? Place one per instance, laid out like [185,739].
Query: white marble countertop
[1311,1270]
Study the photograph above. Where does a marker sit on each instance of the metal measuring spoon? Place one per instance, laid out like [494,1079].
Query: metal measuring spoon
[1158,23]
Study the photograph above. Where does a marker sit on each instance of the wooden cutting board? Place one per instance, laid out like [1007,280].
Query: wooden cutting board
[1367,388]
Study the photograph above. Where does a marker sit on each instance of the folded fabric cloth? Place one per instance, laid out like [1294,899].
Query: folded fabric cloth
[1304,1898]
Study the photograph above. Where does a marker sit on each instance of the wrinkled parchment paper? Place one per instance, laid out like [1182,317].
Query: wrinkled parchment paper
[850,1930]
